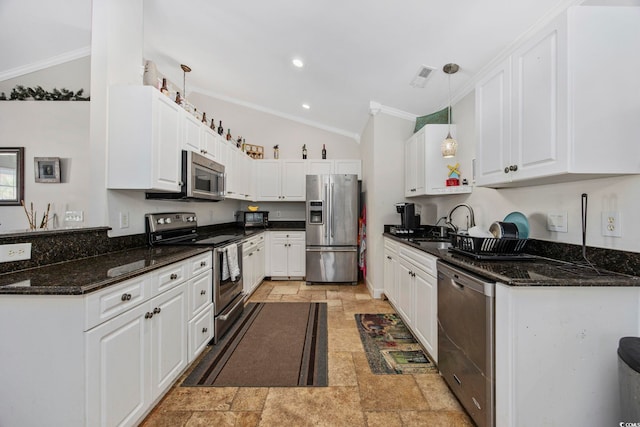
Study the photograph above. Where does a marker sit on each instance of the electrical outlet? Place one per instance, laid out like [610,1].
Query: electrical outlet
[15,252]
[74,216]
[124,219]
[611,225]
[557,221]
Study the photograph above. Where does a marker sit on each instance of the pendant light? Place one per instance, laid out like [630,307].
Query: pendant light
[449,145]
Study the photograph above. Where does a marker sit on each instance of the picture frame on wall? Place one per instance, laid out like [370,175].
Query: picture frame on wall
[47,169]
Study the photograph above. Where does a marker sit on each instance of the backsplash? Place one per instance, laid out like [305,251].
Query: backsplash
[50,247]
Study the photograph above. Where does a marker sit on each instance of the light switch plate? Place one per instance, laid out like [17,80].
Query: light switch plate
[557,221]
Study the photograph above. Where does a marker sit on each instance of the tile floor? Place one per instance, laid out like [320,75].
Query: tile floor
[354,397]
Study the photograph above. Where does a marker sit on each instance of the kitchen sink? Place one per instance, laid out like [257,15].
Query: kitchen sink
[431,243]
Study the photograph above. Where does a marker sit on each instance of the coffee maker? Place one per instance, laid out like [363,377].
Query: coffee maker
[409,221]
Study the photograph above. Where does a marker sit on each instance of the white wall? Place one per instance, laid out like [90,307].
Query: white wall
[267,130]
[48,129]
[73,75]
[383,177]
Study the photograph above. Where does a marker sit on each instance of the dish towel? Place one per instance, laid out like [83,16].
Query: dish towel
[231,253]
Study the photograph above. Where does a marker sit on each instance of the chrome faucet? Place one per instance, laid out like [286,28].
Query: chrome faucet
[471,222]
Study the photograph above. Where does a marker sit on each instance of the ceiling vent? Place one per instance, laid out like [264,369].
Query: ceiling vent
[421,77]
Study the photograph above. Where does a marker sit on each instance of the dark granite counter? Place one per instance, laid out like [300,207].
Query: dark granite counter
[537,271]
[87,275]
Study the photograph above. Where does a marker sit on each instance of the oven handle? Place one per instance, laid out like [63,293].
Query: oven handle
[226,316]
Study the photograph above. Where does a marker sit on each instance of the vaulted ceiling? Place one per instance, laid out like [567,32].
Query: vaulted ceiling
[354,51]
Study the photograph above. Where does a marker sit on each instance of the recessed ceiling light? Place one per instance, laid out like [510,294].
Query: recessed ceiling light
[297,62]
[306,106]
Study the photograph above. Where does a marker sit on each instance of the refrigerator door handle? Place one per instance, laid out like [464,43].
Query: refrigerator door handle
[326,213]
[331,205]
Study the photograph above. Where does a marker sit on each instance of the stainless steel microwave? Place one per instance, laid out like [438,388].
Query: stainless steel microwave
[253,219]
[202,180]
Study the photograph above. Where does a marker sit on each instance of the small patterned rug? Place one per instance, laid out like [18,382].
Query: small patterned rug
[390,347]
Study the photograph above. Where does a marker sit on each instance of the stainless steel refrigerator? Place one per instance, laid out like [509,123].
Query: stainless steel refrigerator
[332,229]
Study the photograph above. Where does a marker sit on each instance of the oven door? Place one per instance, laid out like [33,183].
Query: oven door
[225,290]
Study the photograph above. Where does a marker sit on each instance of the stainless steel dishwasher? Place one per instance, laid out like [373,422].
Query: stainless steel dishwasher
[466,340]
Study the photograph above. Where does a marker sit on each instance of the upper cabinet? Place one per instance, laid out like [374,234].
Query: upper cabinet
[426,171]
[339,166]
[145,133]
[281,180]
[560,108]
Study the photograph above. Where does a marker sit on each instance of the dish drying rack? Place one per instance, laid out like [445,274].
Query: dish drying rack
[489,247]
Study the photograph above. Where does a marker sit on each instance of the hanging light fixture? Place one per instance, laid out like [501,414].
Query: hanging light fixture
[449,145]
[186,69]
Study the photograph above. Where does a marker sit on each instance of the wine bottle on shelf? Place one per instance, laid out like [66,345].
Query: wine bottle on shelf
[178,98]
[220,128]
[324,152]
[164,89]
[304,151]
[204,117]
[228,134]
[213,124]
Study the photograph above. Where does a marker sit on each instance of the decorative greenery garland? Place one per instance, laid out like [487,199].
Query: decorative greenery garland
[21,93]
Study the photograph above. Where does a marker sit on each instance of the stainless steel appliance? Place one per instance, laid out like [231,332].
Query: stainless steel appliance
[180,228]
[466,342]
[202,180]
[248,219]
[332,229]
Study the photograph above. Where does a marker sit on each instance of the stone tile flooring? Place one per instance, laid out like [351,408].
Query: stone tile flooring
[354,397]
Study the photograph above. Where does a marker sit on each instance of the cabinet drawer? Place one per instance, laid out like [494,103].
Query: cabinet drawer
[168,277]
[201,263]
[420,259]
[200,292]
[106,304]
[391,245]
[200,332]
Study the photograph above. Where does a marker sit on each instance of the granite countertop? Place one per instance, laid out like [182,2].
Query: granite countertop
[537,271]
[87,275]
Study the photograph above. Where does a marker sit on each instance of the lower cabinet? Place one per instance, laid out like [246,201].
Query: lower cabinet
[410,283]
[287,254]
[103,358]
[253,263]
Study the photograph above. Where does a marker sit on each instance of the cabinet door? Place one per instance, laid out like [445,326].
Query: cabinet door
[259,263]
[296,255]
[209,143]
[349,166]
[232,170]
[191,132]
[268,180]
[166,153]
[320,167]
[118,369]
[248,182]
[278,254]
[539,102]
[248,271]
[405,291]
[293,183]
[410,152]
[200,332]
[493,126]
[391,276]
[168,338]
[426,316]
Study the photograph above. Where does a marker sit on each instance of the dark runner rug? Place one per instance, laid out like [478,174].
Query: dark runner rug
[276,344]
[390,347]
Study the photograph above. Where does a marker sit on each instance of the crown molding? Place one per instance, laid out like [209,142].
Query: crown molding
[338,131]
[376,108]
[45,63]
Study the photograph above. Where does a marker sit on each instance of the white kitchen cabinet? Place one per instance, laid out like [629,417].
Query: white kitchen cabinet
[287,254]
[337,166]
[253,260]
[426,170]
[540,118]
[145,132]
[391,274]
[210,144]
[191,132]
[281,180]
[417,301]
[116,350]
[239,171]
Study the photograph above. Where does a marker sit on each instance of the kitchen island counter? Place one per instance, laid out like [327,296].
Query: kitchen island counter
[86,275]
